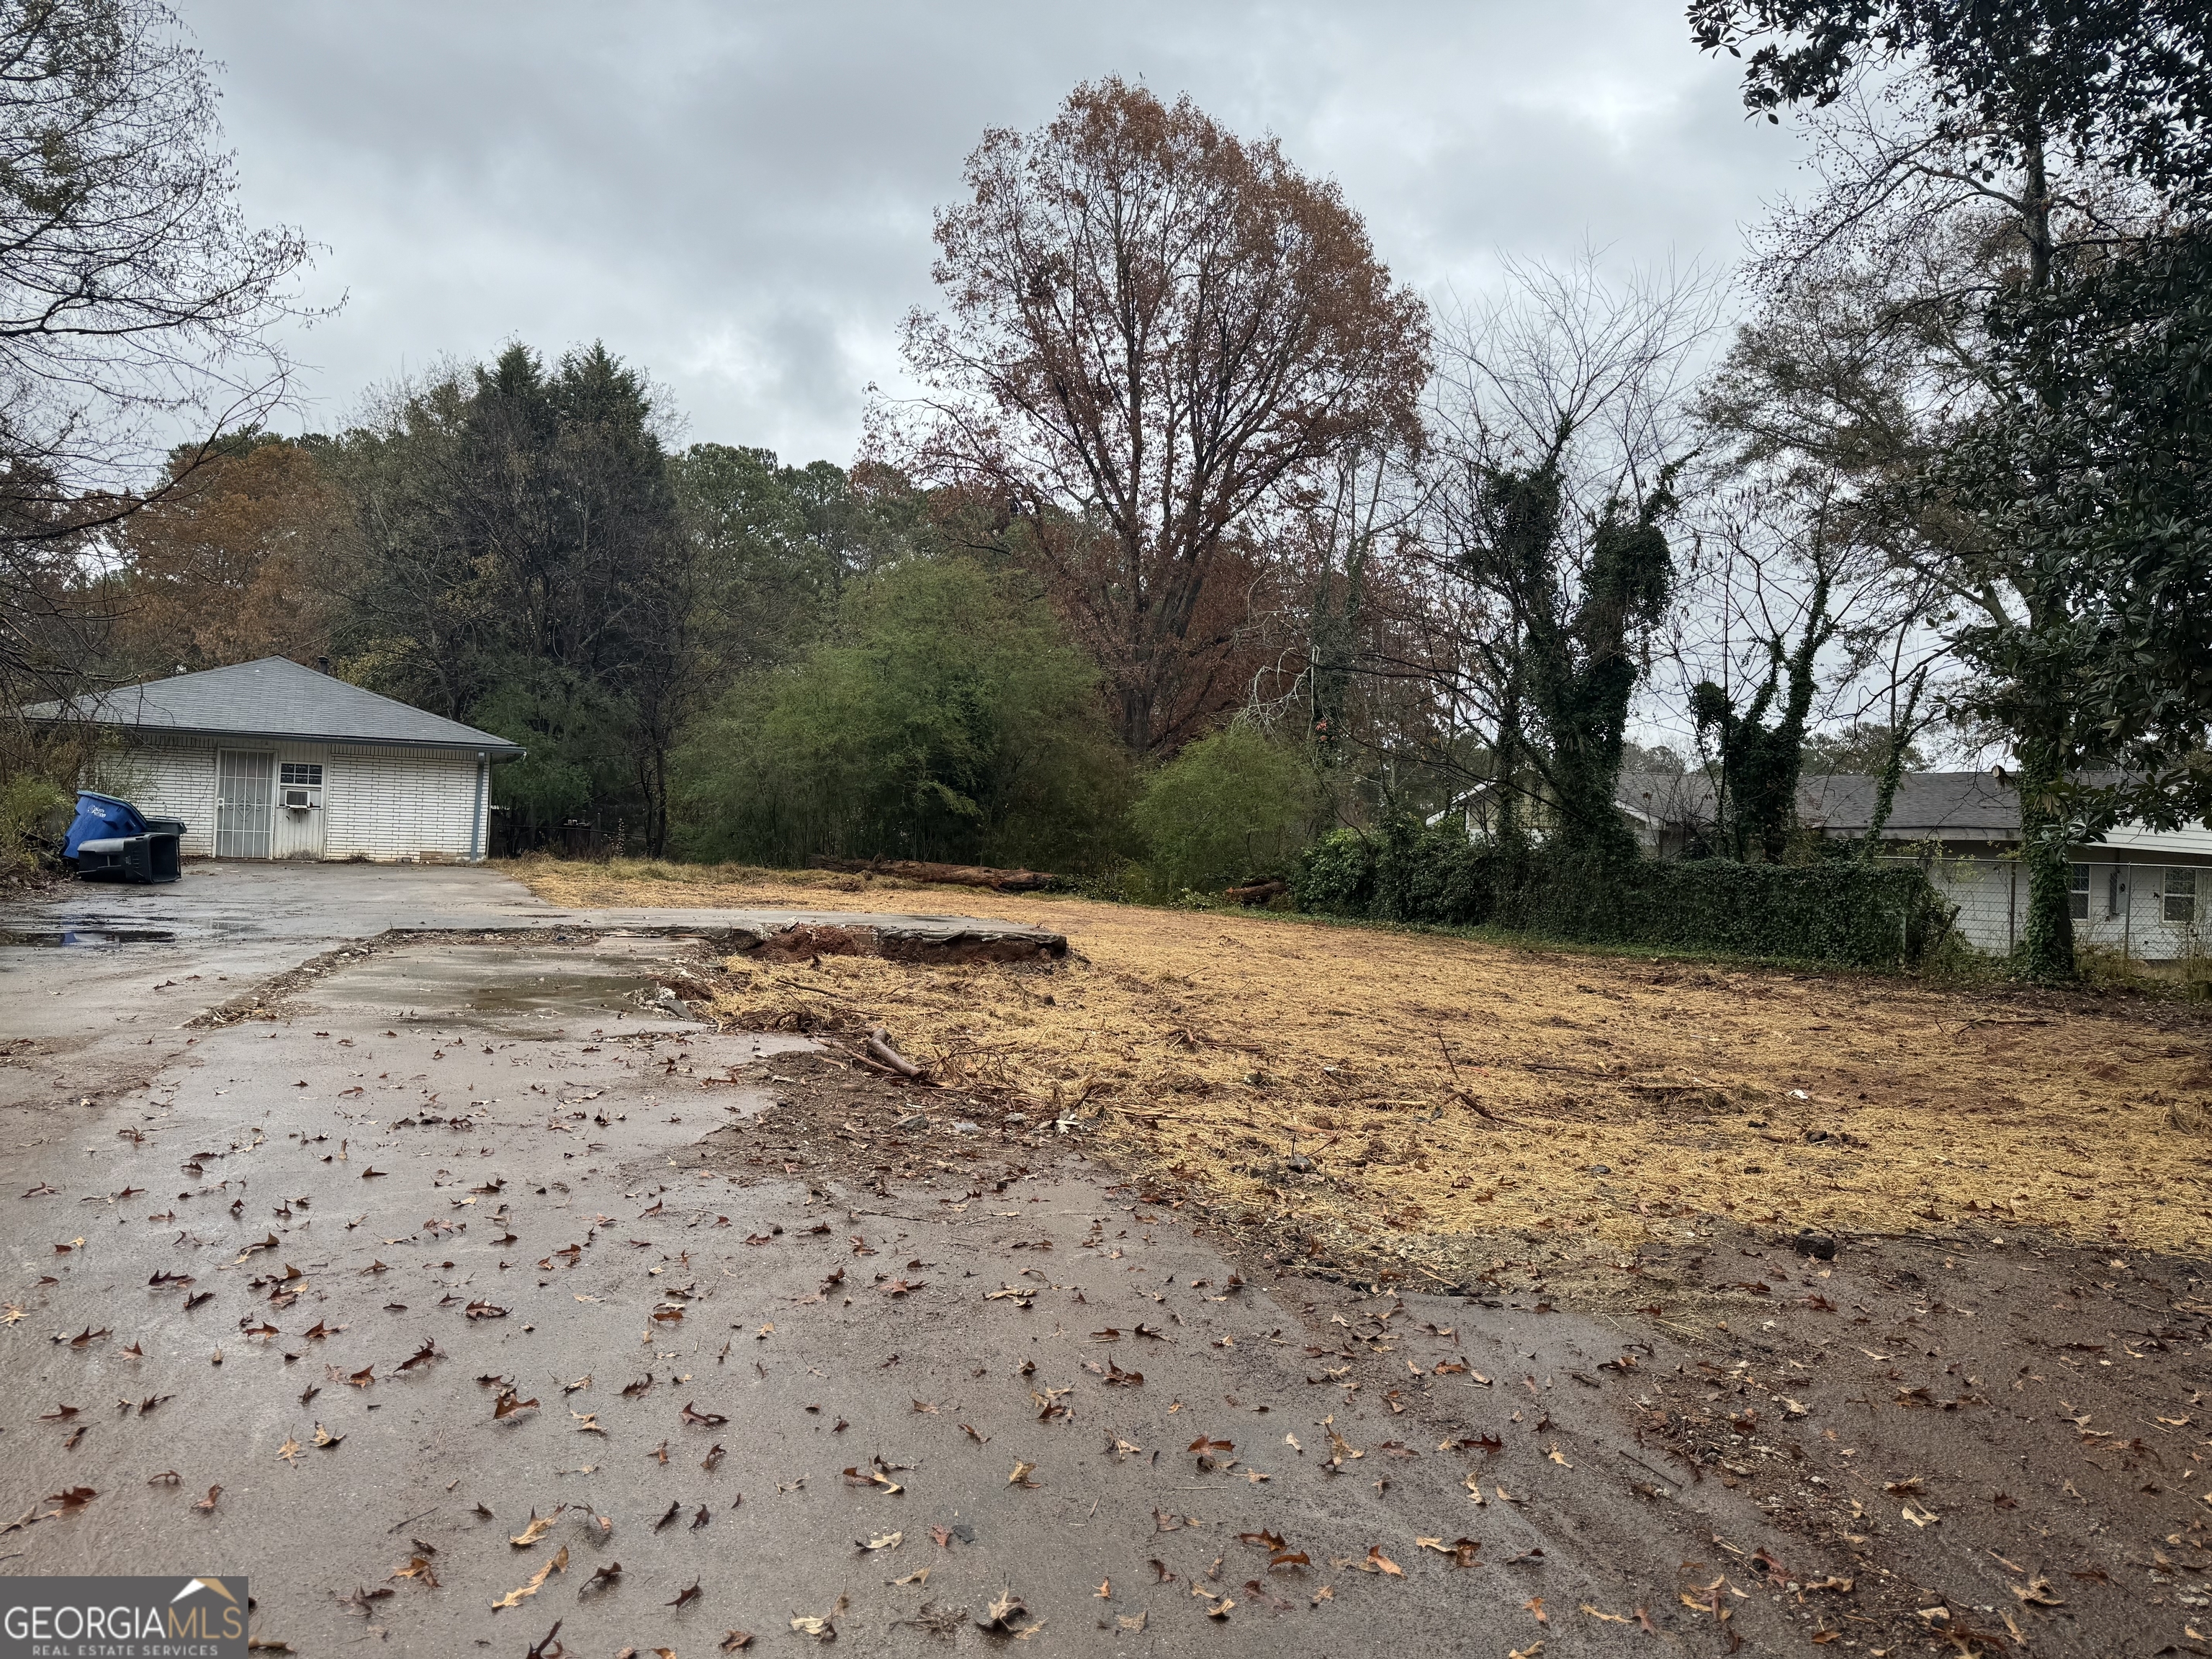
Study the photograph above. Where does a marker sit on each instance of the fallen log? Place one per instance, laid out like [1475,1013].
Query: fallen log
[1258,893]
[952,875]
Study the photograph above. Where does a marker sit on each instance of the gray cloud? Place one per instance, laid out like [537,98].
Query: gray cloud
[738,198]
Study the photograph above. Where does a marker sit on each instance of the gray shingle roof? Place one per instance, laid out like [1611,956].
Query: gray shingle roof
[275,697]
[1974,806]
[1927,803]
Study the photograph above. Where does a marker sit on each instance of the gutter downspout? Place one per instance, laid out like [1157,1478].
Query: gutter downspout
[476,849]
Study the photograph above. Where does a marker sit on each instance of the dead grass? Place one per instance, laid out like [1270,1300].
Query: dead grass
[1446,1086]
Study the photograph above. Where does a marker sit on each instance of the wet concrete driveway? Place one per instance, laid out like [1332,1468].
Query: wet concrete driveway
[424,1305]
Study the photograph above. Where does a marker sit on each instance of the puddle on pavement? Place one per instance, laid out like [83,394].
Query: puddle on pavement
[86,938]
[517,991]
[554,994]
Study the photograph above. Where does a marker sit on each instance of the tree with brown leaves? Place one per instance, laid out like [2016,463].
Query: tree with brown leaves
[231,564]
[1154,330]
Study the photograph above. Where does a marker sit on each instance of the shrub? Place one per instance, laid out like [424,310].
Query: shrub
[947,718]
[31,811]
[1335,876]
[1432,874]
[1228,808]
[1406,870]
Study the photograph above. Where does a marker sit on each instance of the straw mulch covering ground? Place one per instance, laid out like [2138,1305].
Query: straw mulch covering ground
[1444,1087]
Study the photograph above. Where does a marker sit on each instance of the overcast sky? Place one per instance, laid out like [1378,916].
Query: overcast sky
[737,196]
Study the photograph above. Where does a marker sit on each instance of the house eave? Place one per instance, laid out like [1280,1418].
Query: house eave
[495,750]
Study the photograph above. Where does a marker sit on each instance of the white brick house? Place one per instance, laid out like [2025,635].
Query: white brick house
[270,760]
[2145,893]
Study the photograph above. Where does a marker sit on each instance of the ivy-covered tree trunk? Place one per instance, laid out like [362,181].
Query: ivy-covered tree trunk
[1760,765]
[1511,835]
[2044,722]
[1584,673]
[2046,949]
[1333,622]
[1893,768]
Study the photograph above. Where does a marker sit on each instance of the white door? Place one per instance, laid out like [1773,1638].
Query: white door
[298,826]
[245,792]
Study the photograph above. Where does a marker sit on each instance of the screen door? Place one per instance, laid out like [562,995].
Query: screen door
[245,794]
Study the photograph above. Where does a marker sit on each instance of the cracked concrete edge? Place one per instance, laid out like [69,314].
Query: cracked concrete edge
[905,939]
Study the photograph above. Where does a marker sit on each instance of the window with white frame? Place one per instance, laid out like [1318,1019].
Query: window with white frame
[2077,893]
[2116,893]
[306,772]
[2180,903]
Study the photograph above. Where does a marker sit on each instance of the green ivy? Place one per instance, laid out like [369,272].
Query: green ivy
[1335,876]
[1846,912]
[1434,875]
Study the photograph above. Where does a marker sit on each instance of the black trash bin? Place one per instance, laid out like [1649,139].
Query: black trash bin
[112,840]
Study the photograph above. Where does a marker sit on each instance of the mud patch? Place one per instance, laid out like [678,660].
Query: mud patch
[832,1117]
[2003,1443]
[504,974]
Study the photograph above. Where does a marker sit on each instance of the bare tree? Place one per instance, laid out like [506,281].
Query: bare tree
[135,302]
[1560,428]
[1793,621]
[1152,330]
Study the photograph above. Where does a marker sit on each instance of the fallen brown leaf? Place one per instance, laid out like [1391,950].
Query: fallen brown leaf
[539,1525]
[999,1613]
[515,1597]
[822,1627]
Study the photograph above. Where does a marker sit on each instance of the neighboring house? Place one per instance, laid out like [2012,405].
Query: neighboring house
[2146,892]
[270,760]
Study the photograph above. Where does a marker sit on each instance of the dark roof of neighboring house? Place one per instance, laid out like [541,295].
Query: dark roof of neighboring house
[1938,804]
[275,697]
[1944,805]
[1931,806]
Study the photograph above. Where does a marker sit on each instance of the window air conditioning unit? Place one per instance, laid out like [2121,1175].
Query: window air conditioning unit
[297,799]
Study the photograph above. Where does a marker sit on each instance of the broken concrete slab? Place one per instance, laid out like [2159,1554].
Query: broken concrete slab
[795,935]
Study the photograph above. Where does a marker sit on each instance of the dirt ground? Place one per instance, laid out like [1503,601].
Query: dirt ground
[1410,1092]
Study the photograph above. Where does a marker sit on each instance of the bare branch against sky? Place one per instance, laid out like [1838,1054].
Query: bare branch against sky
[738,198]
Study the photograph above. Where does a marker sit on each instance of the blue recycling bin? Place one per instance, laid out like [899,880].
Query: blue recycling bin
[111,840]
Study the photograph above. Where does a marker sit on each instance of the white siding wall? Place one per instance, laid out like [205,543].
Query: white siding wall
[407,804]
[1991,894]
[1982,889]
[383,804]
[2142,927]
[174,779]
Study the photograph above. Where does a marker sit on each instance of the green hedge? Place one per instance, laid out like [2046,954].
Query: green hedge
[1844,912]
[1866,915]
